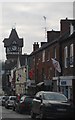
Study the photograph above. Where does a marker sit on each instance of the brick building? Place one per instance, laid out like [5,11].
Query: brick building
[67,50]
[58,42]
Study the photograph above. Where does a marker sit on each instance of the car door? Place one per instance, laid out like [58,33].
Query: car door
[36,104]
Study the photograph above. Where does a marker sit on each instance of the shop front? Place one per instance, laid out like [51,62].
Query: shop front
[66,88]
[63,84]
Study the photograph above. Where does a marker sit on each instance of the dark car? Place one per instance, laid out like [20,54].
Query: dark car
[9,102]
[24,104]
[51,105]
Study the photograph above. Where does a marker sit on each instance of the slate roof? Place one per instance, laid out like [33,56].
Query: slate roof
[13,37]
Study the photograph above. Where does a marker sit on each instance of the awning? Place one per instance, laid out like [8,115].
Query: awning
[40,83]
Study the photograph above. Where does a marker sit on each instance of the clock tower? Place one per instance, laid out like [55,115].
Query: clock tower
[13,48]
[13,45]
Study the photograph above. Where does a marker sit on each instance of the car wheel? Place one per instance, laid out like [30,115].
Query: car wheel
[33,115]
[6,106]
[16,109]
[41,115]
[20,111]
[13,108]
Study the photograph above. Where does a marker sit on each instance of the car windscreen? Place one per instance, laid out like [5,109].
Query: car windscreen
[54,97]
[5,98]
[13,98]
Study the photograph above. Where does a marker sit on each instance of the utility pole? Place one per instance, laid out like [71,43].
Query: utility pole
[45,28]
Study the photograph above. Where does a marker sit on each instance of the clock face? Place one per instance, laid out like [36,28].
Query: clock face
[14,48]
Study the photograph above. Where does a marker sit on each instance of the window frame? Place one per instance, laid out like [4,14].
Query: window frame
[65,57]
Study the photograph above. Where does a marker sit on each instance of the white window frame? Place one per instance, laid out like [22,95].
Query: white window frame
[43,56]
[55,53]
[65,56]
[71,53]
[71,29]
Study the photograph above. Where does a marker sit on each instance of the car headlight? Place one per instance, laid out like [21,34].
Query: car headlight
[47,104]
[21,101]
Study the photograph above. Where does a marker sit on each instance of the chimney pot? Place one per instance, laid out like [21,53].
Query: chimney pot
[35,46]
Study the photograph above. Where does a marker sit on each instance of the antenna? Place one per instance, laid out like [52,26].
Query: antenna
[45,28]
[14,26]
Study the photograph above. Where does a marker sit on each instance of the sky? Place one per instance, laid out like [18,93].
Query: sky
[27,18]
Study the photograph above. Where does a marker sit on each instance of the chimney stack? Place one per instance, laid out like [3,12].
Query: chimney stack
[64,26]
[35,46]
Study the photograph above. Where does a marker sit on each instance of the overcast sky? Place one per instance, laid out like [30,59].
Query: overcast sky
[28,19]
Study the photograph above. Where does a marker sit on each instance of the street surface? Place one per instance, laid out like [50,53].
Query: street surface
[9,114]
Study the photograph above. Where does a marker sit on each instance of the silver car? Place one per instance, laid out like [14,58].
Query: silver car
[10,101]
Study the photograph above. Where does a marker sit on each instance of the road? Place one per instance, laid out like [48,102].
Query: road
[9,114]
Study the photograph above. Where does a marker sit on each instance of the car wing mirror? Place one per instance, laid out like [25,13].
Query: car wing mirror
[69,100]
[39,98]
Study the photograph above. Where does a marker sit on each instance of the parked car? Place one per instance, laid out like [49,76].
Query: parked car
[0,100]
[4,99]
[51,105]
[24,104]
[9,102]
[15,103]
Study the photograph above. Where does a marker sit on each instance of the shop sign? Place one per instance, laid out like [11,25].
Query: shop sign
[66,83]
[63,82]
